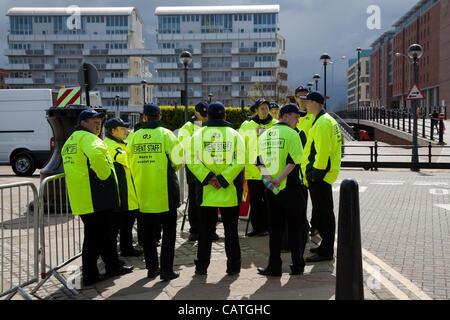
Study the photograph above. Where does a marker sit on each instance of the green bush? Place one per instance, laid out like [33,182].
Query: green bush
[173,118]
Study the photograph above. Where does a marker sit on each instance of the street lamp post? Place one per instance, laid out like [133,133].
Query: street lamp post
[309,86]
[210,95]
[358,50]
[185,59]
[143,91]
[398,54]
[116,98]
[415,52]
[316,78]
[325,59]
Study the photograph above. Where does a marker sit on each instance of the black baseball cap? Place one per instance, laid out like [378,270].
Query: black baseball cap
[151,109]
[216,110]
[314,96]
[89,114]
[116,122]
[202,108]
[301,89]
[273,105]
[291,108]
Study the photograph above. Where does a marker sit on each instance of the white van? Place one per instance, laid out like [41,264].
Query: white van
[26,138]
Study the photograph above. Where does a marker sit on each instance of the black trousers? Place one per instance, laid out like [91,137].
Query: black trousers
[207,223]
[289,205]
[285,240]
[322,202]
[193,209]
[124,222]
[258,207]
[98,241]
[151,222]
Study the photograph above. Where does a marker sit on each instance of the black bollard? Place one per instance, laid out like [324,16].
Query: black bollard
[349,271]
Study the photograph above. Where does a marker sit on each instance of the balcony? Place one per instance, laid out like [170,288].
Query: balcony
[66,81]
[67,67]
[19,81]
[69,52]
[216,80]
[195,94]
[263,79]
[17,66]
[216,65]
[41,66]
[34,53]
[172,65]
[43,81]
[126,80]
[117,66]
[215,52]
[67,37]
[168,80]
[112,95]
[274,64]
[236,65]
[268,50]
[238,93]
[241,79]
[244,50]
[168,94]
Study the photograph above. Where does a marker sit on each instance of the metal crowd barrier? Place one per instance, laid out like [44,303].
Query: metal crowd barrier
[61,235]
[19,244]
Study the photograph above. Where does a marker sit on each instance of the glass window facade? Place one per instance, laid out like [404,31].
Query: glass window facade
[60,26]
[21,24]
[264,22]
[116,24]
[217,23]
[169,24]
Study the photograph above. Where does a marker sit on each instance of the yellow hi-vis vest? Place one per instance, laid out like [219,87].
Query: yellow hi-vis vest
[250,132]
[127,192]
[90,176]
[217,150]
[323,150]
[154,154]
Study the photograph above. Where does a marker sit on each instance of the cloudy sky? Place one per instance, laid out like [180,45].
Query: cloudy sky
[311,27]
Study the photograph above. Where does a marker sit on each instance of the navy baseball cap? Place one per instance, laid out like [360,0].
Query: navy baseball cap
[116,122]
[89,114]
[260,102]
[291,108]
[273,105]
[301,89]
[202,108]
[314,96]
[151,109]
[216,110]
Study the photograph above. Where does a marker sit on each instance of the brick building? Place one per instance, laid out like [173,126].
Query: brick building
[428,24]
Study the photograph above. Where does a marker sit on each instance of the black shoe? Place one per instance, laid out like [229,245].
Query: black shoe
[314,250]
[169,276]
[254,233]
[151,274]
[131,253]
[121,270]
[215,237]
[318,258]
[122,262]
[193,237]
[296,270]
[313,232]
[200,272]
[269,272]
[263,233]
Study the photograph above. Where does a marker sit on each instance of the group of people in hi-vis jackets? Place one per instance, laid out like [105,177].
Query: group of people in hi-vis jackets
[280,153]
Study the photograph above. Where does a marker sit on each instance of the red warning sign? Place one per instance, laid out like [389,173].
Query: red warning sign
[415,93]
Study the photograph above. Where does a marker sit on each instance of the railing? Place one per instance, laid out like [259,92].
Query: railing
[19,266]
[399,119]
[60,231]
[374,159]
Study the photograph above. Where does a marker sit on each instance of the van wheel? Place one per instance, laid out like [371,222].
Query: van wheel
[23,164]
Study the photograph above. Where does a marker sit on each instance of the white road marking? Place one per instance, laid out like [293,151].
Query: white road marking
[443,206]
[385,282]
[424,183]
[389,183]
[407,283]
[439,192]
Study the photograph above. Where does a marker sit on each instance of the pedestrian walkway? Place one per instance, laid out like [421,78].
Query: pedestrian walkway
[317,283]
